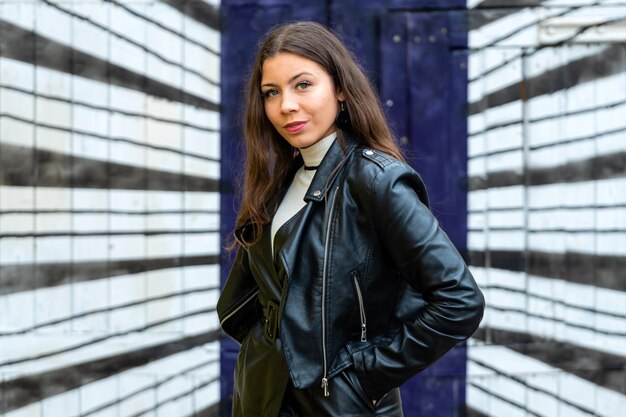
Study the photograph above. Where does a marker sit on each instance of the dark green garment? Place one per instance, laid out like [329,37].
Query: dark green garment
[261,373]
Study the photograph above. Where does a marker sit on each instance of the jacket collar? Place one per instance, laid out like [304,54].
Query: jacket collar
[328,168]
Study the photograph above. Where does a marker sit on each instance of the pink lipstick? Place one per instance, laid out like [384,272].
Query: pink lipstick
[294,127]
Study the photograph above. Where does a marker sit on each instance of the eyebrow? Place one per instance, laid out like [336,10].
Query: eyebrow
[290,80]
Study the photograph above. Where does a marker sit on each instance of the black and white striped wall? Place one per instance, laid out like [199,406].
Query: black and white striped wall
[109,207]
[547,207]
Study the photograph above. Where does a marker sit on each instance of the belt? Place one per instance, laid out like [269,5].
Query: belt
[270,313]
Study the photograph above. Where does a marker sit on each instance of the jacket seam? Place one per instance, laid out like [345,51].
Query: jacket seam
[233,307]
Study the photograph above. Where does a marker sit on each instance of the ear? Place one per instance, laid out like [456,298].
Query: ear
[340,96]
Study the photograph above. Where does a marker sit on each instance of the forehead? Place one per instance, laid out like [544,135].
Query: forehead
[284,65]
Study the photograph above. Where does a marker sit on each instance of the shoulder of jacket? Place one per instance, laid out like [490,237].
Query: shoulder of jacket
[379,158]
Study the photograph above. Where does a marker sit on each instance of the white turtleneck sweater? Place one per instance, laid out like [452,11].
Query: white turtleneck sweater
[293,201]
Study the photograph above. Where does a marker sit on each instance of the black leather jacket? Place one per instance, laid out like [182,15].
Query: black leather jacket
[372,281]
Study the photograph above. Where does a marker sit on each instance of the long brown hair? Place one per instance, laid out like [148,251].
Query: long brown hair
[269,157]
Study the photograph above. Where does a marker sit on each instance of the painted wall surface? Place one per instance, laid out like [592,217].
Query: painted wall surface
[111,167]
[547,207]
[109,208]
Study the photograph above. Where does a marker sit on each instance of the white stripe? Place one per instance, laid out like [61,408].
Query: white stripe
[610,90]
[103,149]
[606,243]
[488,220]
[91,300]
[566,296]
[538,375]
[558,314]
[71,87]
[51,198]
[605,192]
[23,347]
[571,219]
[29,250]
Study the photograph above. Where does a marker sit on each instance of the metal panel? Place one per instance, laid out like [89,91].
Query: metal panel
[423,86]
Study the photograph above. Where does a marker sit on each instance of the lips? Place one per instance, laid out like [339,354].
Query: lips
[294,127]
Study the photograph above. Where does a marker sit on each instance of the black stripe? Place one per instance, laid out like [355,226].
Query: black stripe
[505,400]
[30,389]
[604,64]
[27,277]
[147,388]
[603,271]
[108,310]
[27,46]
[552,300]
[108,233]
[158,24]
[472,412]
[111,110]
[22,166]
[521,381]
[199,11]
[597,168]
[109,138]
[600,368]
[107,336]
[211,411]
[566,323]
[132,42]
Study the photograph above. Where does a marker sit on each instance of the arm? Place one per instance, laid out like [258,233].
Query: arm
[430,263]
[237,305]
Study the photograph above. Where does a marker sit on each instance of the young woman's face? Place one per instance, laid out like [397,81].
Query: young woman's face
[300,98]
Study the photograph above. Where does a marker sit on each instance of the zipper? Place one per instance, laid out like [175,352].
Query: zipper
[239,307]
[324,276]
[359,295]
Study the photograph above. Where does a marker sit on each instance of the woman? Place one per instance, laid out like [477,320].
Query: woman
[343,286]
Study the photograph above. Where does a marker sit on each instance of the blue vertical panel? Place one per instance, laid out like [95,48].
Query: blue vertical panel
[426,82]
[456,169]
[394,83]
[243,24]
[429,58]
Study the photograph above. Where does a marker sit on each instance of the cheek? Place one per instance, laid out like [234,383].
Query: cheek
[270,112]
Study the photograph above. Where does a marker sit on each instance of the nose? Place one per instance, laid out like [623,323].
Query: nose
[289,104]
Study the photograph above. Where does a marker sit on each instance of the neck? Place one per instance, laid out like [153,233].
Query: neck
[314,154]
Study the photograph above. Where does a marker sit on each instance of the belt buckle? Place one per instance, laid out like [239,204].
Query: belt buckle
[271,321]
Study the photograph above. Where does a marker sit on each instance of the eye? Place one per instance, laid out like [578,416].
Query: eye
[303,85]
[270,93]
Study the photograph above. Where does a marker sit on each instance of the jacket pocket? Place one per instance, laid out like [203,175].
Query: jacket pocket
[363,316]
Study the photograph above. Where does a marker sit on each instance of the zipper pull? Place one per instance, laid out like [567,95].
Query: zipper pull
[325,387]
[363,333]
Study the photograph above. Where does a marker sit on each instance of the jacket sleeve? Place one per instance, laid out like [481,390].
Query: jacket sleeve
[452,303]
[237,307]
